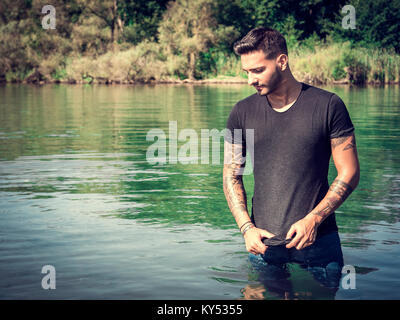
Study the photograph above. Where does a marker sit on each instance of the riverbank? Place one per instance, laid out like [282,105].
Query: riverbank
[191,42]
[322,64]
[233,80]
[193,82]
[222,80]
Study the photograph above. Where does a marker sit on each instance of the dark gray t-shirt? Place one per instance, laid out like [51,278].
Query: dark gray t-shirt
[291,154]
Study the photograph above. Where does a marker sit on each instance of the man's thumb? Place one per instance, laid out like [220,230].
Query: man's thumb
[266,234]
[291,232]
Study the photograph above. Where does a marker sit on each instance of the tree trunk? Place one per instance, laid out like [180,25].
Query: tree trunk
[112,36]
[114,31]
[120,24]
[192,65]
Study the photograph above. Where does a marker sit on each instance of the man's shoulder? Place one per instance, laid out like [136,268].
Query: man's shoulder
[248,102]
[250,99]
[317,93]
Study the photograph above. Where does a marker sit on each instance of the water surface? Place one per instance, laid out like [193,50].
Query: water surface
[77,193]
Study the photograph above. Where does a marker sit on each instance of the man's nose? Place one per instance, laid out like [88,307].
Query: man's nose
[251,80]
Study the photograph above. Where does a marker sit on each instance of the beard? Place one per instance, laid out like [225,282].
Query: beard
[273,84]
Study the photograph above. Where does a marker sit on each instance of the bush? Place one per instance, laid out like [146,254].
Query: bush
[139,63]
[90,36]
[357,70]
[339,71]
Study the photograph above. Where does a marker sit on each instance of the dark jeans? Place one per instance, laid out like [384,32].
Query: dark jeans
[323,259]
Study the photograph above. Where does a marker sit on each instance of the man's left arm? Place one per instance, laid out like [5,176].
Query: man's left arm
[344,154]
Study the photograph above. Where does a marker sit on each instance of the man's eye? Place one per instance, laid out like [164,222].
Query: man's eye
[258,70]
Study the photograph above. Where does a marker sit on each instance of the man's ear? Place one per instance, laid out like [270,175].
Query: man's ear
[282,61]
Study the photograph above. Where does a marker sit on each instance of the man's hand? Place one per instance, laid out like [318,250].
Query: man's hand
[253,238]
[306,232]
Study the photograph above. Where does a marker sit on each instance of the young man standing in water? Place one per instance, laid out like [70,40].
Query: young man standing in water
[297,127]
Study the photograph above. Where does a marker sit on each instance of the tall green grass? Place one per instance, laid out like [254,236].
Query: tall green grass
[340,62]
[313,62]
[327,63]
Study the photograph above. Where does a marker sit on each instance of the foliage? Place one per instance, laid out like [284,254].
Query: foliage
[187,29]
[98,40]
[377,25]
[141,19]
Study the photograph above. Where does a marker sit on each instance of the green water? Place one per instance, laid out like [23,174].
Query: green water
[77,192]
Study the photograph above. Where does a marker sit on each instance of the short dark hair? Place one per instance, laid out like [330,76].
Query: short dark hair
[266,39]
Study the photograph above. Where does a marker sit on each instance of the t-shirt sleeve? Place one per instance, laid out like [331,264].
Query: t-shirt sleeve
[234,129]
[339,122]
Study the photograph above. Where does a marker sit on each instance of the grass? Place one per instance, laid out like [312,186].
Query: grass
[342,63]
[321,63]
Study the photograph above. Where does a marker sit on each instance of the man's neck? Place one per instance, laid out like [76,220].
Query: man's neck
[285,95]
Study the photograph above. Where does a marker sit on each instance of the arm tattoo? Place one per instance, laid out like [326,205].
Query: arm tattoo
[331,204]
[351,144]
[234,191]
[341,188]
[342,191]
[232,180]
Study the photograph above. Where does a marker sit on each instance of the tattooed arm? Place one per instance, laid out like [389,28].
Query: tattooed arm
[344,153]
[235,194]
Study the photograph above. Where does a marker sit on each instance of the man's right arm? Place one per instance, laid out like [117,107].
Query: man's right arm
[235,194]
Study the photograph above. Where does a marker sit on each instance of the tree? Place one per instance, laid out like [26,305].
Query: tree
[377,24]
[107,11]
[187,29]
[141,19]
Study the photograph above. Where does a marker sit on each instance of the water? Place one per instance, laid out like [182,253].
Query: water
[77,193]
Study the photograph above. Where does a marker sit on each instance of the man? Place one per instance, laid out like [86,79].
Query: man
[297,127]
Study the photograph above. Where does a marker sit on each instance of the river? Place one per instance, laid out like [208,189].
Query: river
[79,192]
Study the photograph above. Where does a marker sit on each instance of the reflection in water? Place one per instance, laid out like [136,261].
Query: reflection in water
[298,287]
[77,191]
[293,280]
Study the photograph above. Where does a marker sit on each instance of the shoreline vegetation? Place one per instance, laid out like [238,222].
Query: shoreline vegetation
[324,64]
[190,42]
